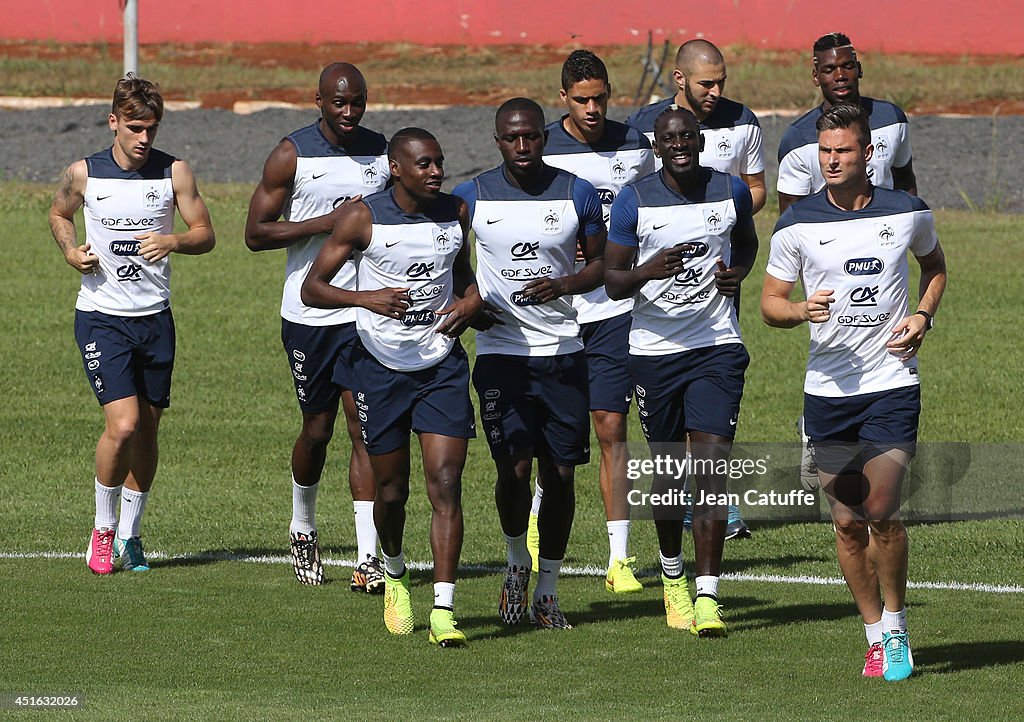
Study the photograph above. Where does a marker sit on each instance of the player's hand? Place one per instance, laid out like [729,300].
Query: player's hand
[458,315]
[82,259]
[728,279]
[390,302]
[907,337]
[487,316]
[332,217]
[543,290]
[667,262]
[155,246]
[818,305]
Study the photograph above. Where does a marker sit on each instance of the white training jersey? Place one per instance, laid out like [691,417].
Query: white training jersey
[621,156]
[862,256]
[414,251]
[325,176]
[800,170]
[733,141]
[120,204]
[521,237]
[685,312]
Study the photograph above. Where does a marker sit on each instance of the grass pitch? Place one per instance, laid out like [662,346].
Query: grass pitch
[207,634]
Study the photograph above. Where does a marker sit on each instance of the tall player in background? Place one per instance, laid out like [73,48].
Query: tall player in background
[417,295]
[306,179]
[609,155]
[123,322]
[529,220]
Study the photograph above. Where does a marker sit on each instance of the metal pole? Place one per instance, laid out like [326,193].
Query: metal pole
[131,36]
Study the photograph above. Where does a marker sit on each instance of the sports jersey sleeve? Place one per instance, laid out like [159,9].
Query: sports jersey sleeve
[467,192]
[784,256]
[743,202]
[753,161]
[794,174]
[904,154]
[925,238]
[646,159]
[588,207]
[624,219]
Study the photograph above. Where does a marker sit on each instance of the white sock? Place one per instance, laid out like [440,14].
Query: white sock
[518,554]
[874,632]
[618,540]
[547,579]
[303,508]
[672,567]
[394,566]
[538,494]
[444,595]
[133,503]
[366,532]
[894,621]
[707,586]
[106,505]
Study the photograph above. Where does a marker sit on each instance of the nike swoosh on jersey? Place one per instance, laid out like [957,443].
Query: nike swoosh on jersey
[388,245]
[658,228]
[318,177]
[825,243]
[102,198]
[494,220]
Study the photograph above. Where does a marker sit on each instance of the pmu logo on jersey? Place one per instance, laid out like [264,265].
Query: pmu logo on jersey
[298,355]
[887,237]
[689,277]
[525,251]
[519,298]
[723,148]
[864,266]
[713,221]
[442,241]
[419,270]
[125,248]
[864,296]
[861,320]
[129,272]
[617,169]
[696,249]
[607,197]
[552,222]
[419,318]
[152,198]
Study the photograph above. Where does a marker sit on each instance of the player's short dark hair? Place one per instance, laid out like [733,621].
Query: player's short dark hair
[137,99]
[402,137]
[830,41]
[519,105]
[846,115]
[582,65]
[677,110]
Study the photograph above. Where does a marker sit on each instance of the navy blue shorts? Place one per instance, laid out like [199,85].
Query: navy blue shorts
[538,404]
[390,403]
[127,356]
[606,345]
[319,356]
[697,390]
[858,428]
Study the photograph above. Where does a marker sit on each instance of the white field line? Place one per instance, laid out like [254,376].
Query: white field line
[572,571]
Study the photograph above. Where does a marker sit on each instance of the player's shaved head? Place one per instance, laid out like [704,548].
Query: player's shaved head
[335,73]
[674,111]
[401,140]
[518,105]
[697,52]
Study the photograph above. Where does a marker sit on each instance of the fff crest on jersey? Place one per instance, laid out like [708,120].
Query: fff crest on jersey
[886,233]
[152,199]
[723,148]
[443,240]
[881,147]
[617,170]
[713,221]
[552,222]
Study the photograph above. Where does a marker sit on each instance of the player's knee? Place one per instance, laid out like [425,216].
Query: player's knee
[317,433]
[445,485]
[850,528]
[889,531]
[392,491]
[122,429]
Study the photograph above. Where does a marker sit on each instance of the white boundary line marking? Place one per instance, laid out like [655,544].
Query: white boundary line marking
[572,571]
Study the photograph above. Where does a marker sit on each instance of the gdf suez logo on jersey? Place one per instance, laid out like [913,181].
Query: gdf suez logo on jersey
[419,270]
[887,236]
[713,222]
[862,320]
[864,266]
[525,251]
[864,296]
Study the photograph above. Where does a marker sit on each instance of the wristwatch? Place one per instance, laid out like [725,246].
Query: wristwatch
[928,317]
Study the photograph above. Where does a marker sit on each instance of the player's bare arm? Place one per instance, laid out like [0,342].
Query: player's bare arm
[199,238]
[467,302]
[786,200]
[758,190]
[909,333]
[67,200]
[587,279]
[779,311]
[903,178]
[744,251]
[623,280]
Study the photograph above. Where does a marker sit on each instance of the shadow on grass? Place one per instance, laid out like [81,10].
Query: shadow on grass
[951,658]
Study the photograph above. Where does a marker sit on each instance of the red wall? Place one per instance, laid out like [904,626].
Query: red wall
[939,26]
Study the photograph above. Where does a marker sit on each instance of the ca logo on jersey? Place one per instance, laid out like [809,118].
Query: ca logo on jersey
[552,222]
[689,277]
[864,296]
[524,251]
[887,236]
[607,196]
[418,270]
